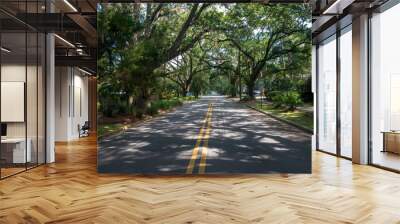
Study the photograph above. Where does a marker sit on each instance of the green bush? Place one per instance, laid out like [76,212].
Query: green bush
[112,106]
[174,102]
[153,109]
[269,95]
[246,98]
[289,99]
[189,98]
[163,105]
[278,100]
[292,99]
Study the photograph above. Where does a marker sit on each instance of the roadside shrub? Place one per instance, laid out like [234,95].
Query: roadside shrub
[289,99]
[175,102]
[111,106]
[269,95]
[277,100]
[292,99]
[189,98]
[153,109]
[163,105]
[246,98]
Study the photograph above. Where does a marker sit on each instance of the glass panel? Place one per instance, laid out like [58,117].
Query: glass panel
[385,89]
[31,98]
[23,89]
[327,95]
[41,99]
[13,87]
[32,88]
[346,92]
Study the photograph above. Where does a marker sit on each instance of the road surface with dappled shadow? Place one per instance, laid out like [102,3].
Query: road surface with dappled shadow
[213,135]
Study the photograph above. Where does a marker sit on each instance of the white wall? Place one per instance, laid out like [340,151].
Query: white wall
[71,102]
[33,126]
[12,73]
[62,82]
[314,91]
[16,73]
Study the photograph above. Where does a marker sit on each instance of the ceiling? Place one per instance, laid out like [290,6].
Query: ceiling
[74,22]
[330,15]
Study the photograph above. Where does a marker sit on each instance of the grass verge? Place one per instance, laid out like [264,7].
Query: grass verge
[297,117]
[107,129]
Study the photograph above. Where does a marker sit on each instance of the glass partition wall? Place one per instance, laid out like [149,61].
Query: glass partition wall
[345,89]
[327,95]
[334,100]
[22,77]
[385,89]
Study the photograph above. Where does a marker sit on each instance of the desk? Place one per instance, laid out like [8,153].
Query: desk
[391,141]
[16,146]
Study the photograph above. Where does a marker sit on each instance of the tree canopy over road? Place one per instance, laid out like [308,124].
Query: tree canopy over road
[156,51]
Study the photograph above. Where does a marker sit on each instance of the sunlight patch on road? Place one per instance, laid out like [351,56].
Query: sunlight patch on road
[215,152]
[131,150]
[261,157]
[268,140]
[234,135]
[280,149]
[140,144]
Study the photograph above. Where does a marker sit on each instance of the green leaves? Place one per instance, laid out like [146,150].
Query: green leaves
[227,43]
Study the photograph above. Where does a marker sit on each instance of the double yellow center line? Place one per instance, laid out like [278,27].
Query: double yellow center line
[204,135]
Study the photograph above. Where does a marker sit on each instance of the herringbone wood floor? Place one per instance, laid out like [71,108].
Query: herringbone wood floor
[70,191]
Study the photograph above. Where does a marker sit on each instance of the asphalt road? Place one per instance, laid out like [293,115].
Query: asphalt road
[213,136]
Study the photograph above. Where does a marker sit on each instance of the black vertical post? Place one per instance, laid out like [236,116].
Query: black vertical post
[369,77]
[316,96]
[1,164]
[338,76]
[37,88]
[45,89]
[26,85]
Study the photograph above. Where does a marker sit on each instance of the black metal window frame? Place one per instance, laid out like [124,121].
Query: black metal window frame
[387,5]
[338,33]
[381,9]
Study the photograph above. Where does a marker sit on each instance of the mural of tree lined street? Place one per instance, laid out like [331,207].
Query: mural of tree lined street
[155,57]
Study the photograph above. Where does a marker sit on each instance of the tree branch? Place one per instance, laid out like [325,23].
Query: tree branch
[150,20]
[182,32]
[294,48]
[237,45]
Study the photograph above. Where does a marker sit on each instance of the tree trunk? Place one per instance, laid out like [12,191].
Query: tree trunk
[141,103]
[184,93]
[128,104]
[250,89]
[232,88]
[240,75]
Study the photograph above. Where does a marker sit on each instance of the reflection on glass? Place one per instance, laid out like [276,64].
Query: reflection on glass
[15,149]
[346,92]
[385,89]
[327,95]
[41,99]
[31,101]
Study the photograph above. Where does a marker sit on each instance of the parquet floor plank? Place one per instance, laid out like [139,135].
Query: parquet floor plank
[71,191]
